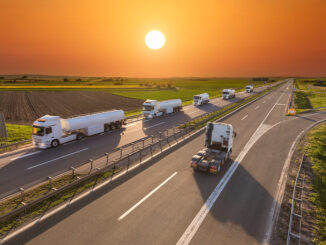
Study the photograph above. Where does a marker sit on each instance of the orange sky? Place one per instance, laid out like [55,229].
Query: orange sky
[203,38]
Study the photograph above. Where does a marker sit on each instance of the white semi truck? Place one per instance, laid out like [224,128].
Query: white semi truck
[218,142]
[51,131]
[228,94]
[249,88]
[154,108]
[201,99]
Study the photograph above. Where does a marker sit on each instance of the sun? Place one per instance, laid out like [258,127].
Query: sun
[155,39]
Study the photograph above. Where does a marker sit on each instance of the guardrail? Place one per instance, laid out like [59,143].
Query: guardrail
[294,231]
[121,160]
[15,144]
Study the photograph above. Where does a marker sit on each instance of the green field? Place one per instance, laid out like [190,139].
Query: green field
[316,150]
[17,133]
[311,84]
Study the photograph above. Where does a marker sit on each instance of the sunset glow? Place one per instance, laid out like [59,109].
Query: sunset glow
[206,38]
[155,39]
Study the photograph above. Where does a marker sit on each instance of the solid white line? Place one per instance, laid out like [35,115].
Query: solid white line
[244,117]
[146,197]
[193,112]
[37,165]
[154,125]
[281,104]
[264,101]
[256,107]
[132,124]
[199,218]
[26,155]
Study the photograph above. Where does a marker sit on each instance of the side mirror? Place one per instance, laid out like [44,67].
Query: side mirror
[234,134]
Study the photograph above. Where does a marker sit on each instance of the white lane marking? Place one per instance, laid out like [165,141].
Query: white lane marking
[154,125]
[264,101]
[132,124]
[244,117]
[199,218]
[26,155]
[281,104]
[256,107]
[146,197]
[37,165]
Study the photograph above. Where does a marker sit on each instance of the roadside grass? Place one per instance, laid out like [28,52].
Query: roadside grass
[310,84]
[301,100]
[316,151]
[41,208]
[16,132]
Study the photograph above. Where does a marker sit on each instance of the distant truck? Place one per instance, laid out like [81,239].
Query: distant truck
[201,99]
[218,142]
[228,94]
[154,108]
[51,131]
[249,89]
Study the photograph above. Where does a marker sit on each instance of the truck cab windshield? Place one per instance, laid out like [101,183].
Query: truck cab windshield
[147,108]
[196,97]
[38,130]
[225,92]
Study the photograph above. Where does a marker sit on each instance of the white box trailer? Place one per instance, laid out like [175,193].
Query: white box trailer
[228,94]
[249,88]
[200,99]
[218,142]
[51,131]
[154,108]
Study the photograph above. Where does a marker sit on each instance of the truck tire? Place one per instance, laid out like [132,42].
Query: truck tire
[79,136]
[55,143]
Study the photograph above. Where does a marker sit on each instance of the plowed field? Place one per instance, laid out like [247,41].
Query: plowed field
[23,107]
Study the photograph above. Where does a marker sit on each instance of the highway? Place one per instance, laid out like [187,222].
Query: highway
[29,165]
[169,203]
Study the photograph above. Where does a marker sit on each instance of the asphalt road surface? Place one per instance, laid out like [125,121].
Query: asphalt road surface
[29,165]
[169,203]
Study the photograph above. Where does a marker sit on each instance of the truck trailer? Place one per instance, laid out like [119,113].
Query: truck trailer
[201,99]
[249,89]
[51,131]
[154,108]
[228,94]
[218,142]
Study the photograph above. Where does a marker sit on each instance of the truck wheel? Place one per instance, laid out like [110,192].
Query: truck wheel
[55,143]
[79,136]
[118,125]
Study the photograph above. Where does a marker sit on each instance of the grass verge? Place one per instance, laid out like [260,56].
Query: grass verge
[17,132]
[44,206]
[316,151]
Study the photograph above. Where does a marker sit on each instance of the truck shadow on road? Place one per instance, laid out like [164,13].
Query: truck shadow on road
[244,204]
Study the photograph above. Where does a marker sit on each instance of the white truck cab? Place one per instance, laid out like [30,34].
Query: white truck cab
[151,109]
[47,131]
[249,88]
[200,99]
[228,94]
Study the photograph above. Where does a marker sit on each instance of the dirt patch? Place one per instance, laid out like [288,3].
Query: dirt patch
[23,107]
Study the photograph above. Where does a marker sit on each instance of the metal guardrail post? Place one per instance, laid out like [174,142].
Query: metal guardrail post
[140,156]
[107,159]
[132,147]
[151,149]
[143,143]
[160,145]
[128,161]
[152,138]
[160,135]
[121,149]
[91,163]
[51,182]
[21,194]
[72,172]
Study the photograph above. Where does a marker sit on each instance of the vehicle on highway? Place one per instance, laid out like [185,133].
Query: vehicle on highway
[249,88]
[218,142]
[154,108]
[200,99]
[51,131]
[228,94]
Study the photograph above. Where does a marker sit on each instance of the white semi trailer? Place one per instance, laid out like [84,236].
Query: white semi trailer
[154,108]
[51,131]
[218,142]
[201,99]
[228,94]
